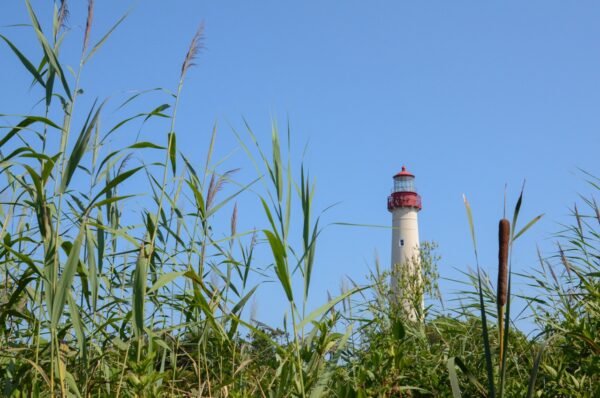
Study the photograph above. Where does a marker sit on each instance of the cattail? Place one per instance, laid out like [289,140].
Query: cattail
[88,25]
[503,241]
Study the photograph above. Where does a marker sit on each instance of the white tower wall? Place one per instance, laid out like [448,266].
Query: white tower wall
[406,275]
[406,270]
[405,235]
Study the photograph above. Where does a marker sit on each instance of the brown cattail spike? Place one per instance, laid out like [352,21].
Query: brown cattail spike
[503,240]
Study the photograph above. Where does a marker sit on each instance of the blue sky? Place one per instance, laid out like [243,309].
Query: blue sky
[469,96]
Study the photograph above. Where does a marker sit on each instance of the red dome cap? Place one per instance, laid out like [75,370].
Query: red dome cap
[404,173]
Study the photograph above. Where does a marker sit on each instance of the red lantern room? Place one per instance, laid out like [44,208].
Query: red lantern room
[404,194]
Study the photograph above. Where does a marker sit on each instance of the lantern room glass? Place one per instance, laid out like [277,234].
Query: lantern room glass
[404,184]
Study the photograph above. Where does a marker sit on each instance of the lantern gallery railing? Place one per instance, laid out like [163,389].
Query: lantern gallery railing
[404,199]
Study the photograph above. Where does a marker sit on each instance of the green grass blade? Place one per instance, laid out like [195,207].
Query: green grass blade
[327,306]
[453,378]
[173,151]
[139,290]
[23,125]
[517,210]
[77,326]
[80,146]
[114,183]
[165,279]
[471,224]
[527,226]
[535,369]
[101,42]
[66,279]
[485,331]
[486,338]
[48,51]
[92,269]
[26,63]
[281,266]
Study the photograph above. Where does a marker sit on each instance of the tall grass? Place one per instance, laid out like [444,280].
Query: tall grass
[110,305]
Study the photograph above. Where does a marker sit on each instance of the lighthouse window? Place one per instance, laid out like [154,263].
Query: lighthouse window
[404,184]
[401,242]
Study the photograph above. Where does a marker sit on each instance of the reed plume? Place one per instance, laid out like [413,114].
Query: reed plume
[564,260]
[234,221]
[88,25]
[216,185]
[195,46]
[63,14]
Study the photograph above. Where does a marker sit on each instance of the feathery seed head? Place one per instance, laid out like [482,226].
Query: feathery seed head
[195,46]
[88,25]
[234,220]
[63,14]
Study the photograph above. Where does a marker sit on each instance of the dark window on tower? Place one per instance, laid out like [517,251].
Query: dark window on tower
[401,242]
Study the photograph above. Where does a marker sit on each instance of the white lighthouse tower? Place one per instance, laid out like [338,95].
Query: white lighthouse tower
[404,203]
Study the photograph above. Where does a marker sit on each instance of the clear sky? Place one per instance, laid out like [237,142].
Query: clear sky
[468,95]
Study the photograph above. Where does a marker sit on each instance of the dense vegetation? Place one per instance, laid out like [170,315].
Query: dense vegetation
[109,292]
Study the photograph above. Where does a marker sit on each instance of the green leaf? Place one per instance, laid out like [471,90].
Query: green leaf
[526,227]
[48,51]
[112,200]
[28,65]
[471,225]
[92,268]
[139,290]
[77,326]
[517,209]
[145,144]
[237,308]
[80,146]
[23,124]
[453,378]
[104,38]
[535,369]
[113,183]
[66,279]
[281,268]
[173,151]
[398,329]
[100,241]
[327,306]
[164,279]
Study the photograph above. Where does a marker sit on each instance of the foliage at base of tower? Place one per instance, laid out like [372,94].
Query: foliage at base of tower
[414,282]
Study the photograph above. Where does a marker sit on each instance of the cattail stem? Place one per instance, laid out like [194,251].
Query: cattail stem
[503,242]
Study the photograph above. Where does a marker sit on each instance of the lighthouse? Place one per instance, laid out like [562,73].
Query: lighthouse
[405,203]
